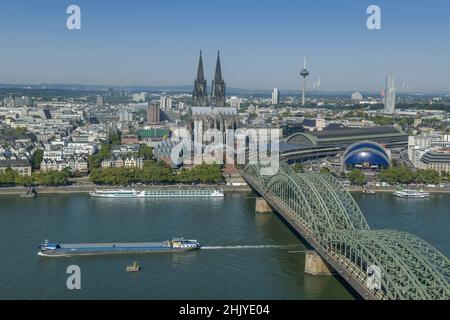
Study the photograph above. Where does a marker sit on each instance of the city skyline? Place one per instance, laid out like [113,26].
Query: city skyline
[146,45]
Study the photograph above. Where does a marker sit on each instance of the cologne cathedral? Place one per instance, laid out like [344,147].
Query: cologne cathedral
[211,110]
[200,96]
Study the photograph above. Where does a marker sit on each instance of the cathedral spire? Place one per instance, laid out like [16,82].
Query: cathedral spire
[199,95]
[218,86]
[218,74]
[200,73]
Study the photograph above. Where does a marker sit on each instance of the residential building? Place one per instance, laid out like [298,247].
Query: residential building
[23,167]
[153,113]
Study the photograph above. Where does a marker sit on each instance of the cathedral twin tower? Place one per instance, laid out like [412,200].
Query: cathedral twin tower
[200,95]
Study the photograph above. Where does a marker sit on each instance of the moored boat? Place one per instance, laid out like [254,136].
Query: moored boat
[367,190]
[157,193]
[411,194]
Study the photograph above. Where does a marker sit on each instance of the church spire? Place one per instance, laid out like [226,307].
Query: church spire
[200,73]
[218,90]
[199,95]
[218,74]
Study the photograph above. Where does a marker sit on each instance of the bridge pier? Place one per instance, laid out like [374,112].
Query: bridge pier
[314,265]
[262,206]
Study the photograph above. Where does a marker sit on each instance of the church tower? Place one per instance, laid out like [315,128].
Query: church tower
[200,95]
[218,86]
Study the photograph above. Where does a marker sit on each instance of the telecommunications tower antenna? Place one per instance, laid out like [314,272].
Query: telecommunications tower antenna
[304,73]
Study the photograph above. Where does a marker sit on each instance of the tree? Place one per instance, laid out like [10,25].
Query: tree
[114,137]
[204,173]
[404,175]
[8,178]
[145,152]
[51,178]
[37,159]
[94,161]
[24,180]
[356,177]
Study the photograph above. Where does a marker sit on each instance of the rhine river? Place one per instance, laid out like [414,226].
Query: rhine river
[245,255]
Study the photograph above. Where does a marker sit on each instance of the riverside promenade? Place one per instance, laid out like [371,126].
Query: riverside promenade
[88,187]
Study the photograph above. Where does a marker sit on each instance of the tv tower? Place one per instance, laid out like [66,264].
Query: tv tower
[304,73]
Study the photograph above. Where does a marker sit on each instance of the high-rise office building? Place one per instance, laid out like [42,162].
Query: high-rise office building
[163,102]
[389,94]
[153,113]
[275,96]
[100,101]
[125,115]
[169,103]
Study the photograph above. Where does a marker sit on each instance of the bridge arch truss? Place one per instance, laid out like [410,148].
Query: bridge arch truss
[331,220]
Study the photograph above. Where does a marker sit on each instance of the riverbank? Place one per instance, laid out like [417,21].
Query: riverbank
[89,187]
[394,188]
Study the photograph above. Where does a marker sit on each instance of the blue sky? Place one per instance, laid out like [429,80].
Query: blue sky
[262,43]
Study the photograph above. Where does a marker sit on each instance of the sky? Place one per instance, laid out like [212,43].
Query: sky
[262,43]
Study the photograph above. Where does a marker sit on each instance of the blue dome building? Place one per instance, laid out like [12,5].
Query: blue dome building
[366,155]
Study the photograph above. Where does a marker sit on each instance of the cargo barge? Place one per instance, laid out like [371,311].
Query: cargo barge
[49,249]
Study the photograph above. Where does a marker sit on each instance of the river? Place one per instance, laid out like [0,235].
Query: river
[244,256]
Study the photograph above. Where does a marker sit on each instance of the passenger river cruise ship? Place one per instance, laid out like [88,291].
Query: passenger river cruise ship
[157,193]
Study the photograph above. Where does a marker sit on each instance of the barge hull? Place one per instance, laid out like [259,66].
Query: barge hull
[89,249]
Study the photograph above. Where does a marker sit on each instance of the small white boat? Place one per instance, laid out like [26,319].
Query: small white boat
[368,191]
[411,194]
[135,267]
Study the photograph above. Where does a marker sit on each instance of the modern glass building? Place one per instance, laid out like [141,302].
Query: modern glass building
[366,155]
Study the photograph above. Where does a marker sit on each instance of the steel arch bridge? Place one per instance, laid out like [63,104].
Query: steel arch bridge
[328,218]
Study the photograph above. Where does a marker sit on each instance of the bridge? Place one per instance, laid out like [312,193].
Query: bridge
[319,208]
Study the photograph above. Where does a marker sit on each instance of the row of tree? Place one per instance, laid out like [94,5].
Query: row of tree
[157,172]
[51,178]
[401,175]
[392,175]
[404,175]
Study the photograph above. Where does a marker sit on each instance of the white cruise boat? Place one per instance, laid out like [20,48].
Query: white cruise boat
[408,193]
[158,193]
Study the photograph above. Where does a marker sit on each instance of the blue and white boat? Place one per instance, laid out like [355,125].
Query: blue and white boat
[54,249]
